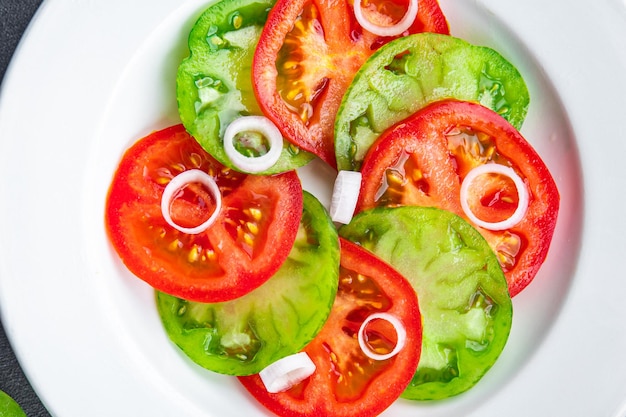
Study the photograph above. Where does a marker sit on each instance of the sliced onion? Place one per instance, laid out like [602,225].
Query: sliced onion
[258,124]
[397,325]
[345,195]
[177,184]
[393,30]
[287,372]
[522,192]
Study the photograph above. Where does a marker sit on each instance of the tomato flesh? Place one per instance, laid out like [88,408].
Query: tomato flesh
[423,161]
[247,244]
[307,55]
[346,381]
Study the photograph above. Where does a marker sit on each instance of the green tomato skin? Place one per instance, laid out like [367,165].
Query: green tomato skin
[411,72]
[243,336]
[9,407]
[213,84]
[462,292]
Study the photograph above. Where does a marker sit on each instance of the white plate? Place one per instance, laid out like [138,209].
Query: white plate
[92,76]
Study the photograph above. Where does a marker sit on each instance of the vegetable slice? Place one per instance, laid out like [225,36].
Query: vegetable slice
[465,305]
[287,372]
[244,247]
[347,382]
[408,73]
[213,84]
[278,319]
[345,196]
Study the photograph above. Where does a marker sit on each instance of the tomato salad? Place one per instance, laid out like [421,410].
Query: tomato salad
[441,211]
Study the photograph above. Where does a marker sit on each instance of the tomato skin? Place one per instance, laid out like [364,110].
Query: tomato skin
[218,264]
[329,62]
[424,136]
[320,394]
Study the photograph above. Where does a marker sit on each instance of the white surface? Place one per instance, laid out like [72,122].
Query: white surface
[93,76]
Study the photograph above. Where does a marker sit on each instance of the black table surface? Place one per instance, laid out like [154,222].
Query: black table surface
[15,15]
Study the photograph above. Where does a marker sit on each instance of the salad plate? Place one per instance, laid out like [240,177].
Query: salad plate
[92,77]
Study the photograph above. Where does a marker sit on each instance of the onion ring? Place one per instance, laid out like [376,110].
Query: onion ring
[180,181]
[259,124]
[345,195]
[397,325]
[287,372]
[522,192]
[393,30]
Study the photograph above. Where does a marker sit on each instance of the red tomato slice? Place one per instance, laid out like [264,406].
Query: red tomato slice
[347,382]
[249,241]
[424,159]
[306,57]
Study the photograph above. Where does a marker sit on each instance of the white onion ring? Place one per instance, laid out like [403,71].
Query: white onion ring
[258,124]
[397,325]
[522,192]
[345,195]
[287,372]
[393,30]
[176,184]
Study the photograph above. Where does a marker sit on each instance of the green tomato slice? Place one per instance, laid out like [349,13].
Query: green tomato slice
[462,292]
[243,336]
[411,72]
[9,407]
[213,84]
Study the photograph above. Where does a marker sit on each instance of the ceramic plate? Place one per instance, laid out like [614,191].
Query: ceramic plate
[91,77]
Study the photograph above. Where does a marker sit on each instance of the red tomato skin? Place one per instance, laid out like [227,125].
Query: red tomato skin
[348,48]
[316,396]
[133,210]
[422,134]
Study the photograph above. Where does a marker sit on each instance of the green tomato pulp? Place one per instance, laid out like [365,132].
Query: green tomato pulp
[462,292]
[8,406]
[213,84]
[408,73]
[243,336]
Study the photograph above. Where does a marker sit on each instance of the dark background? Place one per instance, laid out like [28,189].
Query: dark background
[15,16]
